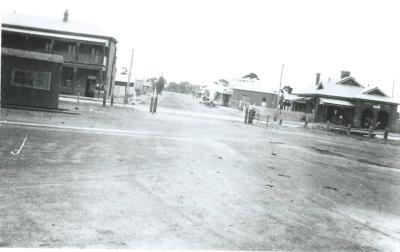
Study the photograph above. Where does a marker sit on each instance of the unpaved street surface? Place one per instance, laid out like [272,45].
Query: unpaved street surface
[192,177]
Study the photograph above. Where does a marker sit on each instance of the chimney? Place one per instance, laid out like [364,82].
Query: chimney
[65,19]
[317,78]
[344,74]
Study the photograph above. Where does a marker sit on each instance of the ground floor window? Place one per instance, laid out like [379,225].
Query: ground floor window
[32,79]
[339,115]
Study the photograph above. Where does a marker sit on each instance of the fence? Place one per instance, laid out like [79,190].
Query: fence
[264,113]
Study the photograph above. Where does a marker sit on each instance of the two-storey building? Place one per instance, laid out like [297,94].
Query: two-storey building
[89,54]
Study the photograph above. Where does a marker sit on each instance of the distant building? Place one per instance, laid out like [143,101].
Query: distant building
[345,101]
[217,92]
[88,54]
[253,92]
[30,79]
[121,85]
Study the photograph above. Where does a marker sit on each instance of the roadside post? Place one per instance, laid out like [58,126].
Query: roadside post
[151,104]
[79,90]
[246,113]
[155,104]
[280,121]
[386,134]
[305,123]
[328,125]
[348,129]
[370,129]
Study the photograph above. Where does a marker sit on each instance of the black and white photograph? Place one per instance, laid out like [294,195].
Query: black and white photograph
[212,125]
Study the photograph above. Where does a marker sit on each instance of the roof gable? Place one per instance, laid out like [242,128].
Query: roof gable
[375,91]
[320,86]
[349,81]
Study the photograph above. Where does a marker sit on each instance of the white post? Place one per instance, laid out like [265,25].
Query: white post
[127,83]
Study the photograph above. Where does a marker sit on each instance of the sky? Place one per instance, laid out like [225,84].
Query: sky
[205,40]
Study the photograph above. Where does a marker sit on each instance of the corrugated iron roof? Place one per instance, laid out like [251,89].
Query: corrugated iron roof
[31,55]
[53,24]
[335,102]
[339,89]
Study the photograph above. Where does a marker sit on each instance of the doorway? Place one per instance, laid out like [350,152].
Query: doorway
[90,86]
[383,119]
[367,118]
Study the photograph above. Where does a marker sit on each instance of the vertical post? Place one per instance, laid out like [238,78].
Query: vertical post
[105,93]
[77,51]
[328,125]
[129,78]
[101,82]
[280,84]
[393,87]
[51,46]
[246,113]
[348,129]
[386,134]
[75,83]
[370,130]
[114,71]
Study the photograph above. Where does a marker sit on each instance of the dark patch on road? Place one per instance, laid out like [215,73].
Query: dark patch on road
[220,157]
[349,194]
[374,163]
[331,188]
[283,175]
[4,244]
[270,186]
[327,152]
[273,142]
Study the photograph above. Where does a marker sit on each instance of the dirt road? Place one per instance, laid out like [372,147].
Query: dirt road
[192,177]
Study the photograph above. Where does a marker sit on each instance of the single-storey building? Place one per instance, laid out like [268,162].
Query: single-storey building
[218,93]
[345,101]
[121,85]
[253,93]
[30,79]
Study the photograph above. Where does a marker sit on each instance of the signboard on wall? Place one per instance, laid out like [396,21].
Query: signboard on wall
[376,106]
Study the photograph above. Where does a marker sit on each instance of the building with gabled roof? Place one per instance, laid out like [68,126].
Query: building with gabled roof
[253,92]
[345,101]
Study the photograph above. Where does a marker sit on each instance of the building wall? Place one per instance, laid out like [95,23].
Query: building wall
[27,96]
[111,61]
[389,108]
[254,98]
[82,75]
[73,52]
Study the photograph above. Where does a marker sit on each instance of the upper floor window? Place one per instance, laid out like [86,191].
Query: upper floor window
[32,79]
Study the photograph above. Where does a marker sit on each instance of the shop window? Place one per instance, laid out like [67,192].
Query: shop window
[264,99]
[38,80]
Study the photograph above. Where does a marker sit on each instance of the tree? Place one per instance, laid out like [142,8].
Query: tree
[251,76]
[223,82]
[287,88]
[183,87]
[160,84]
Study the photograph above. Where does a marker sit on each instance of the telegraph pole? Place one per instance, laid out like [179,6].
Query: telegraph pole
[127,83]
[393,87]
[280,84]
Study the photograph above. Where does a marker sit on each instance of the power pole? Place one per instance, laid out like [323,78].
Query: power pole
[280,84]
[127,83]
[393,88]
